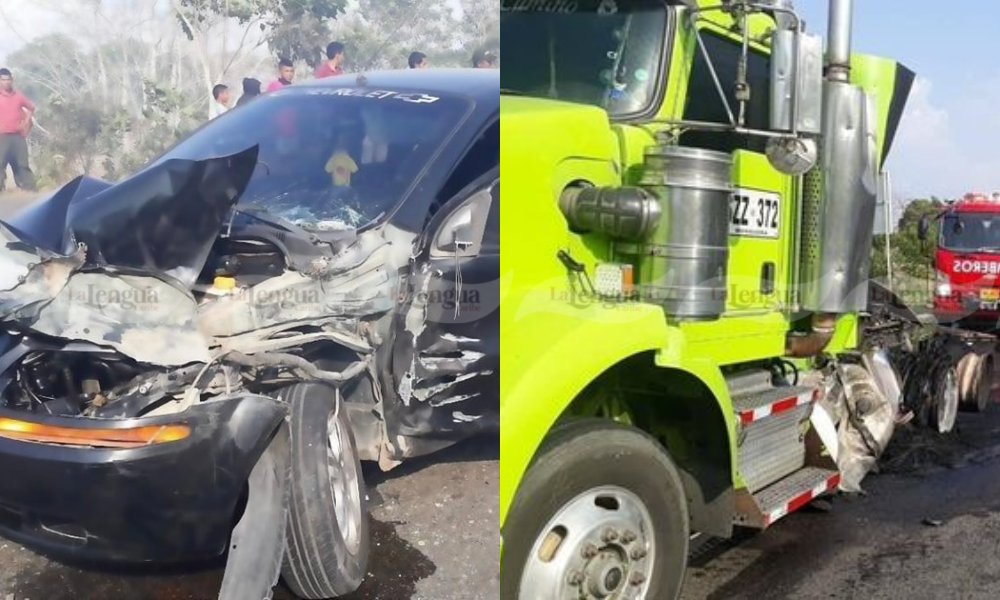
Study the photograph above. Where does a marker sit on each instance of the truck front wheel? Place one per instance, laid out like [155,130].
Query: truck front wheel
[601,513]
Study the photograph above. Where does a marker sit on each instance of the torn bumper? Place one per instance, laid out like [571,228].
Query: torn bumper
[170,502]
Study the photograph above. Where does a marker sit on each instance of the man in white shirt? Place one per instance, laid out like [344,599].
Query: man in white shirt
[220,101]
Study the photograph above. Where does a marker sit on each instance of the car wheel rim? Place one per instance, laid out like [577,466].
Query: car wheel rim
[345,483]
[600,545]
[947,409]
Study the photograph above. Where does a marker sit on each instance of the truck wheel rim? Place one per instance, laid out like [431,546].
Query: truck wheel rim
[345,483]
[947,408]
[600,545]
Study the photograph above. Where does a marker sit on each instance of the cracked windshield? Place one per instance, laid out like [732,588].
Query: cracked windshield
[599,52]
[330,158]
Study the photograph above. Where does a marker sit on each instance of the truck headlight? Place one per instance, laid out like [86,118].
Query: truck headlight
[942,286]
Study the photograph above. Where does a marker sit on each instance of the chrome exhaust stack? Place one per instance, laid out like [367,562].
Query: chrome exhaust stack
[835,276]
[841,22]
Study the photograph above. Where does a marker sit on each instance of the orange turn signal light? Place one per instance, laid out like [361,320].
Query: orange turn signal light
[135,437]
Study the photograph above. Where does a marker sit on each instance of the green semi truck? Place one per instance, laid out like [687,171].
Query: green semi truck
[689,339]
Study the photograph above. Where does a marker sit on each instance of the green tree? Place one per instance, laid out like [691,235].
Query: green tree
[912,255]
[294,28]
[381,34]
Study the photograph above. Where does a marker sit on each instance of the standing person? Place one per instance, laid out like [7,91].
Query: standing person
[418,60]
[16,114]
[251,89]
[220,101]
[333,65]
[286,74]
[483,59]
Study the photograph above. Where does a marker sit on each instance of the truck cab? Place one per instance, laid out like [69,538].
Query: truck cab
[967,262]
[693,189]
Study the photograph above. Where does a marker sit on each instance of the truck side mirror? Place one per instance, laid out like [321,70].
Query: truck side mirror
[796,82]
[923,228]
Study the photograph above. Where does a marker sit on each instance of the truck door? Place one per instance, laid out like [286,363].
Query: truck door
[446,357]
[764,206]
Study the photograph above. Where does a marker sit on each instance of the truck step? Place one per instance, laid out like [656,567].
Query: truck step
[786,496]
[771,432]
[761,405]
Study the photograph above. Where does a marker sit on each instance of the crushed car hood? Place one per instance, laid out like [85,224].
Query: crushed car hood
[114,264]
[163,220]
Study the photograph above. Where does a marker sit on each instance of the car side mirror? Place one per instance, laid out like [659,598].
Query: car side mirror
[457,234]
[462,232]
[923,228]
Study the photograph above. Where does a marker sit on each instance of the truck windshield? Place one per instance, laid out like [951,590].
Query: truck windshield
[971,232]
[606,53]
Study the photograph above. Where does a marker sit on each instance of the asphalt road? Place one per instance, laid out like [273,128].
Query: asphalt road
[435,525]
[929,529]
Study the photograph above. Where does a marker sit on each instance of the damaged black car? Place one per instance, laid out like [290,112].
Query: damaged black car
[195,360]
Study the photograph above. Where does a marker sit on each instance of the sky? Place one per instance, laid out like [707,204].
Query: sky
[949,141]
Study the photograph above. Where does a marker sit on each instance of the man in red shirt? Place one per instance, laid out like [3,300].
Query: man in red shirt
[286,74]
[16,113]
[331,67]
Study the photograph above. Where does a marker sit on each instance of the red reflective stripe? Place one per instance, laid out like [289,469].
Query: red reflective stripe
[783,405]
[802,500]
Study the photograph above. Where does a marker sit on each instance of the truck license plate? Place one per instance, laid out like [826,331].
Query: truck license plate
[753,213]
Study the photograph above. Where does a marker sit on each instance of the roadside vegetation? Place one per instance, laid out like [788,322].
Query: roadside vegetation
[117,82]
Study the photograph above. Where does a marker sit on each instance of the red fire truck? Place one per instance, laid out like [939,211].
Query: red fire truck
[967,262]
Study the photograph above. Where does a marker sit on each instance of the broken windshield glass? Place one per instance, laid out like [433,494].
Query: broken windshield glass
[601,52]
[330,158]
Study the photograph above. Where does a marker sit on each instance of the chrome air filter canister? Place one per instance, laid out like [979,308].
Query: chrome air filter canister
[683,264]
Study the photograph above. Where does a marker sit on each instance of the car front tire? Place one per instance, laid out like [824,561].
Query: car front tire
[328,538]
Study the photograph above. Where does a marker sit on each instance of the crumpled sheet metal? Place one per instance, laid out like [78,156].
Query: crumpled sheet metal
[107,280]
[29,277]
[140,316]
[865,423]
[356,283]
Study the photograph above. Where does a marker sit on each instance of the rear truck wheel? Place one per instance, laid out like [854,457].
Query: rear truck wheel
[253,565]
[328,529]
[601,513]
[947,397]
[976,374]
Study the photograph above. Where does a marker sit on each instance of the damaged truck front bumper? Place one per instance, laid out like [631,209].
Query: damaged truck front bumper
[160,489]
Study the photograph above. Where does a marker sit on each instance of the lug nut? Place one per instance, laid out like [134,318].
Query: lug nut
[637,578]
[575,578]
[589,551]
[629,536]
[639,554]
[610,535]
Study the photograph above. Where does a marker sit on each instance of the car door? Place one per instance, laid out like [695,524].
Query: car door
[446,354]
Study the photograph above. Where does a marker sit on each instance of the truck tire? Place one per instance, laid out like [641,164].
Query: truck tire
[602,509]
[947,397]
[328,541]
